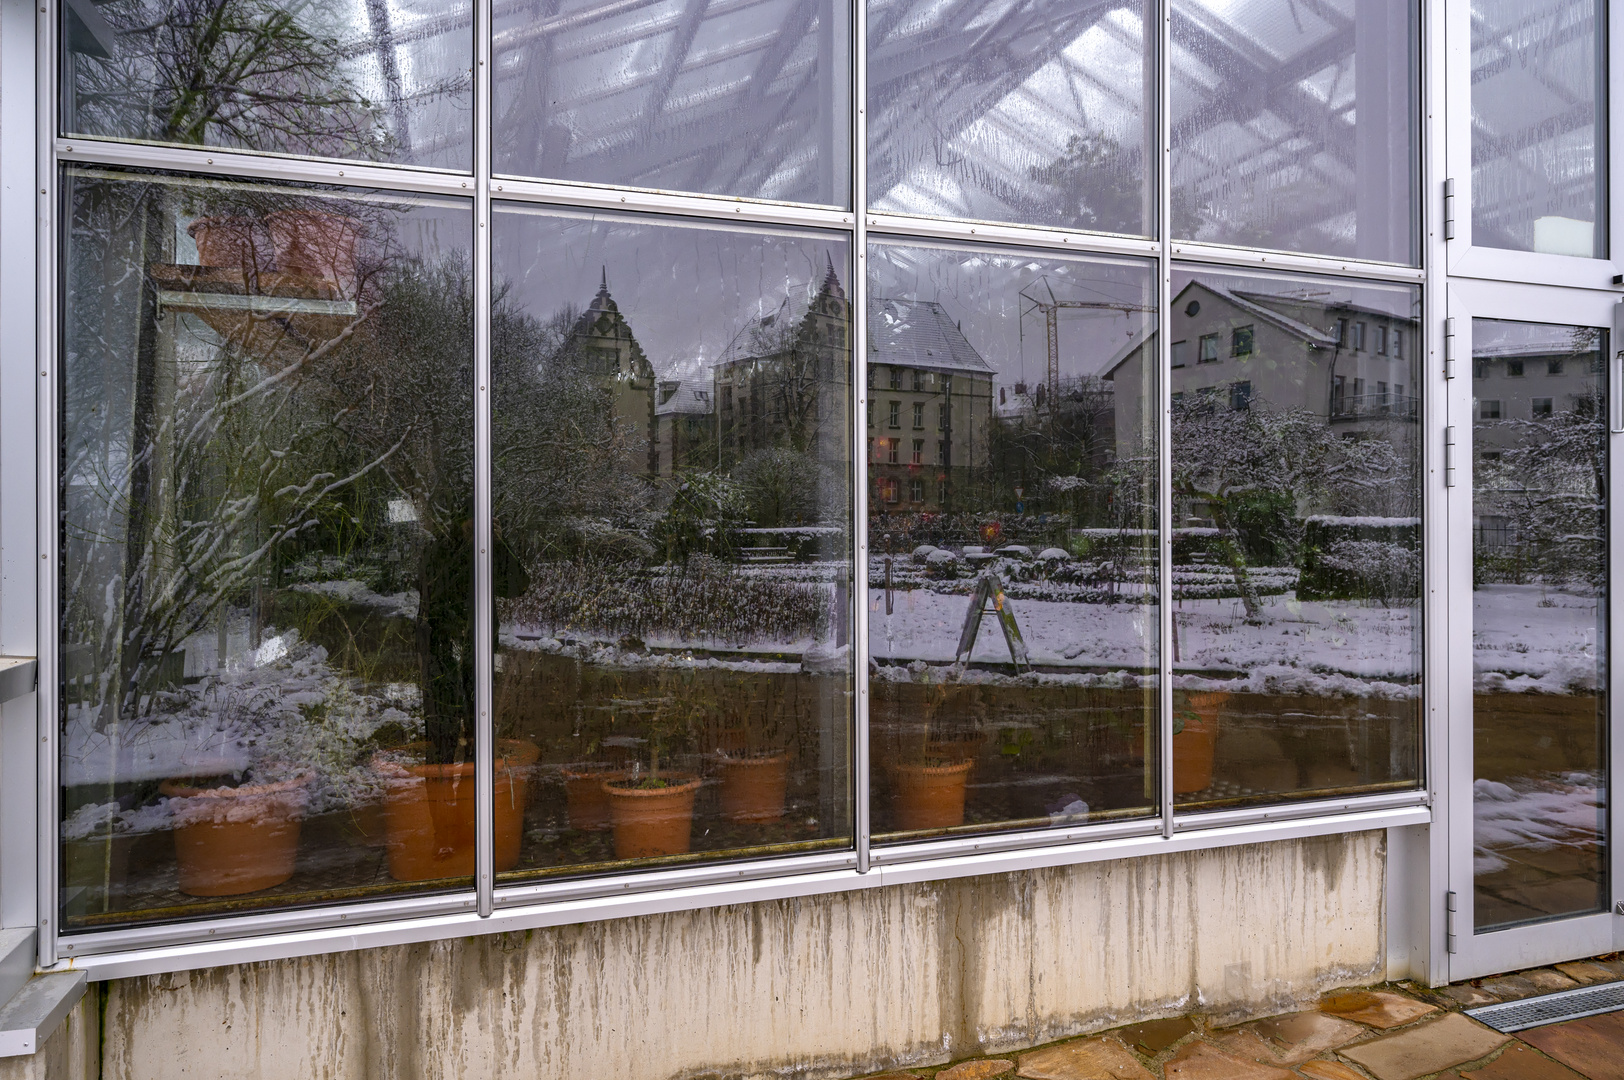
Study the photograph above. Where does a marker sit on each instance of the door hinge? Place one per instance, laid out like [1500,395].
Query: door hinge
[1449,465]
[1449,348]
[1449,209]
[1449,922]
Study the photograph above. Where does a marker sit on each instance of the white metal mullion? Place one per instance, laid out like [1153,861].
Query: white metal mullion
[862,821]
[240,165]
[599,197]
[1164,411]
[484,645]
[45,243]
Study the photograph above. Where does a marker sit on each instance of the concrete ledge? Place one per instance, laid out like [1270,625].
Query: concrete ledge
[28,1019]
[18,675]
[16,961]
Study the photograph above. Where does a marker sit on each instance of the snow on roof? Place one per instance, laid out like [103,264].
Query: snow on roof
[683,396]
[920,334]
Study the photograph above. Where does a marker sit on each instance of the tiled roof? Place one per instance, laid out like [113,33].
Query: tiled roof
[690,395]
[919,334]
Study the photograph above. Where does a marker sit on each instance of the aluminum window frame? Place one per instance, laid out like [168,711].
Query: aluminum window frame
[487,908]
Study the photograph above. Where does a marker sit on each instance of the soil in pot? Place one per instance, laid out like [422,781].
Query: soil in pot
[429,811]
[929,796]
[235,839]
[753,788]
[587,802]
[1194,747]
[652,821]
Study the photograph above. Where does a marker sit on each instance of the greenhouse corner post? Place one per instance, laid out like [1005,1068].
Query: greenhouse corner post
[46,350]
[484,643]
[861,817]
[1164,413]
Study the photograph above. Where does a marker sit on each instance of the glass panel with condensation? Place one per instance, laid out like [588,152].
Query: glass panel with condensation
[266,495]
[1296,571]
[743,99]
[1294,125]
[1539,611]
[671,464]
[380,80]
[1012,603]
[1539,126]
[1035,113]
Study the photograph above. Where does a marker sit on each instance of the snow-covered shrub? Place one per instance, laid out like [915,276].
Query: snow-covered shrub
[942,564]
[1360,558]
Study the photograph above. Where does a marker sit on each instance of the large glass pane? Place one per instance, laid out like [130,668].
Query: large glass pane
[1539,126]
[1012,532]
[1297,539]
[382,80]
[672,464]
[267,487]
[1294,125]
[1034,113]
[1539,611]
[747,99]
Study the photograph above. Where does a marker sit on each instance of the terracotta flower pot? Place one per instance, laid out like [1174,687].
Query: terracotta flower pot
[316,244]
[233,242]
[1193,748]
[429,811]
[584,796]
[929,796]
[234,840]
[650,822]
[753,788]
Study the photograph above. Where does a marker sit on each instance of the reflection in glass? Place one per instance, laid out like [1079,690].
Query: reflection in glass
[1539,85]
[1539,601]
[1012,525]
[1033,113]
[1293,125]
[381,80]
[1296,544]
[744,99]
[673,540]
[267,489]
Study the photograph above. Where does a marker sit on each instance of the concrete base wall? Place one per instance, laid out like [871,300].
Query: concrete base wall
[71,1053]
[824,986]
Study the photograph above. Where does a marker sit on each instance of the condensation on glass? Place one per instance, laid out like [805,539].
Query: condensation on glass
[671,462]
[745,99]
[1032,113]
[1539,610]
[380,80]
[1539,126]
[1296,601]
[266,691]
[1012,601]
[1294,125]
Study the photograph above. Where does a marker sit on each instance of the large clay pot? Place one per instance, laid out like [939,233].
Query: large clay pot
[1193,748]
[584,796]
[429,811]
[234,840]
[929,796]
[650,822]
[232,242]
[753,788]
[316,244]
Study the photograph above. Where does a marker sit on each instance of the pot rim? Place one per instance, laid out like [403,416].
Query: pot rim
[934,770]
[689,783]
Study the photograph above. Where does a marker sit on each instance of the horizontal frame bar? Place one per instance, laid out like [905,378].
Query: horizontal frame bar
[1308,264]
[902,225]
[1296,811]
[131,953]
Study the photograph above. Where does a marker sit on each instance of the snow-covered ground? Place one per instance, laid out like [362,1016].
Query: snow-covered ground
[1531,638]
[1537,814]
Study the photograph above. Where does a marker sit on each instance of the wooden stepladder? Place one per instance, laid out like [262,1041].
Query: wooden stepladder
[988,599]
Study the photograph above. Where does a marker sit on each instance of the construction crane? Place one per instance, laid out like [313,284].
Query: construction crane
[1051,317]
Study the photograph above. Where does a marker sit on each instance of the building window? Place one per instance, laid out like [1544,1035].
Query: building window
[1488,409]
[891,451]
[896,378]
[1359,336]
[1209,348]
[1240,341]
[1514,369]
[1553,366]
[918,414]
[941,452]
[944,416]
[895,415]
[1341,331]
[1181,353]
[1240,396]
[918,452]
[1381,339]
[918,381]
[1541,407]
[1339,395]
[916,490]
[1398,344]
[888,490]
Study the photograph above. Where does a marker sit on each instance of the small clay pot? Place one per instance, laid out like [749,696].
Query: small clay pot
[235,840]
[316,244]
[429,811]
[232,242]
[929,796]
[650,822]
[753,788]
[584,796]
[1195,747]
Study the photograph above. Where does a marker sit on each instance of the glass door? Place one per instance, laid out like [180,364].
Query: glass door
[1533,447]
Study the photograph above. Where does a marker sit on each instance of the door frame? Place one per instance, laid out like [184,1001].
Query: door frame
[1473,954]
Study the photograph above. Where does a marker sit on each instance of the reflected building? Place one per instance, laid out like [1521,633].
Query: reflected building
[930,407]
[1529,381]
[604,347]
[684,425]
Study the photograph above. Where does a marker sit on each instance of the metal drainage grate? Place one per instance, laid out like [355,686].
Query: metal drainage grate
[1531,1012]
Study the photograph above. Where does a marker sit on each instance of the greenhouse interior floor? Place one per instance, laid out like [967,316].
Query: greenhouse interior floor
[1394,1031]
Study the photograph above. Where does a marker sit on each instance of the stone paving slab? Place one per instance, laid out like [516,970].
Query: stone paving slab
[1202,1061]
[1154,1036]
[1085,1059]
[1296,1037]
[1378,1008]
[1322,1069]
[979,1069]
[1426,1048]
[1586,971]
[1520,1062]
[1592,1045]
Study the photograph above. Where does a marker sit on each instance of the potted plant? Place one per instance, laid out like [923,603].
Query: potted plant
[1195,740]
[584,797]
[429,812]
[754,763]
[238,832]
[928,787]
[653,813]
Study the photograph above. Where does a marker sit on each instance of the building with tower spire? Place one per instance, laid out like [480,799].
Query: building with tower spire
[605,348]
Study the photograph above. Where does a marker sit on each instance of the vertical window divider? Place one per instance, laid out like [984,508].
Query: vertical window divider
[1164,407]
[48,479]
[484,599]
[859,375]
